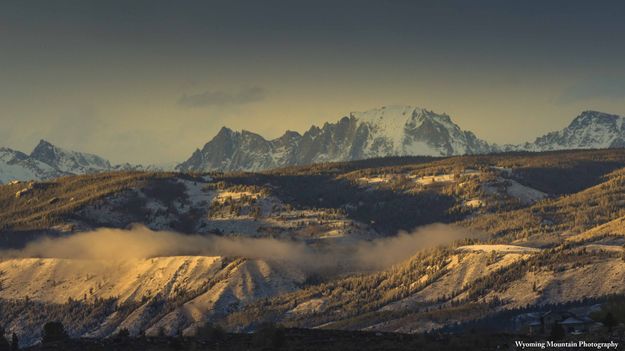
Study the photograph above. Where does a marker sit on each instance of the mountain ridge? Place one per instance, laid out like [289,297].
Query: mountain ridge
[16,165]
[590,129]
[380,132]
[68,161]
[388,131]
[48,161]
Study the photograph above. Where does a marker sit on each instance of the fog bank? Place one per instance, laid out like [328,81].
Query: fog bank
[140,242]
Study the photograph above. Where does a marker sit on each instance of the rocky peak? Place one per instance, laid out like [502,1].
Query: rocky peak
[43,151]
[587,118]
[380,132]
[68,161]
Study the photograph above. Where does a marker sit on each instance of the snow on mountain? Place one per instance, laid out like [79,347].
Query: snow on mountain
[589,130]
[48,161]
[404,130]
[385,131]
[380,132]
[15,165]
[69,161]
[230,150]
[177,293]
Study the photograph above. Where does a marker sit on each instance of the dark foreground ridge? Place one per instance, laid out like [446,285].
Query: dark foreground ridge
[293,339]
[320,340]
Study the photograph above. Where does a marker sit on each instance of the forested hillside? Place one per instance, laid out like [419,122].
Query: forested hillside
[336,245]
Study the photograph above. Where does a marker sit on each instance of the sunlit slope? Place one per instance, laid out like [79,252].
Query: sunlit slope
[553,220]
[175,293]
[448,286]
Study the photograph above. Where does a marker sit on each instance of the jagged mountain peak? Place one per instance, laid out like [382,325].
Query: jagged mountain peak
[225,133]
[396,115]
[225,130]
[289,134]
[43,150]
[48,161]
[589,117]
[399,112]
[16,165]
[386,112]
[589,130]
[68,161]
[394,130]
[596,114]
[397,130]
[44,143]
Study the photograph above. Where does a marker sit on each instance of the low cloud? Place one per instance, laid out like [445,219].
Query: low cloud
[140,242]
[595,88]
[383,253]
[222,98]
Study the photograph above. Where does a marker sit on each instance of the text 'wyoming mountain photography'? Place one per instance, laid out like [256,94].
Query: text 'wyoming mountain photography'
[312,175]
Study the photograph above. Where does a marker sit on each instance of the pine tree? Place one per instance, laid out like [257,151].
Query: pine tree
[123,333]
[53,331]
[609,321]
[4,344]
[557,331]
[15,343]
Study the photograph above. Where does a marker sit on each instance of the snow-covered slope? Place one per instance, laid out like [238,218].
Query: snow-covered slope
[589,130]
[175,293]
[385,131]
[15,165]
[68,161]
[48,161]
[388,131]
[513,276]
[404,130]
[380,132]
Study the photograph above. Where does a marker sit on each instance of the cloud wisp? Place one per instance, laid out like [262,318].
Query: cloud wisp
[222,98]
[139,242]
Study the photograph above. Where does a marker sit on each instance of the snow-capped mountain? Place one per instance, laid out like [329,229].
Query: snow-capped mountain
[48,161]
[385,131]
[589,130]
[16,165]
[380,132]
[68,161]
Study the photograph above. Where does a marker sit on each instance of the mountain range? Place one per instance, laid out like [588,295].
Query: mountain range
[387,131]
[48,161]
[380,132]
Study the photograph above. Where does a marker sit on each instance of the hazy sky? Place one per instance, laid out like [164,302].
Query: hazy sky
[150,81]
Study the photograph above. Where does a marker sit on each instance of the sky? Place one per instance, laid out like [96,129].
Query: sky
[151,81]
